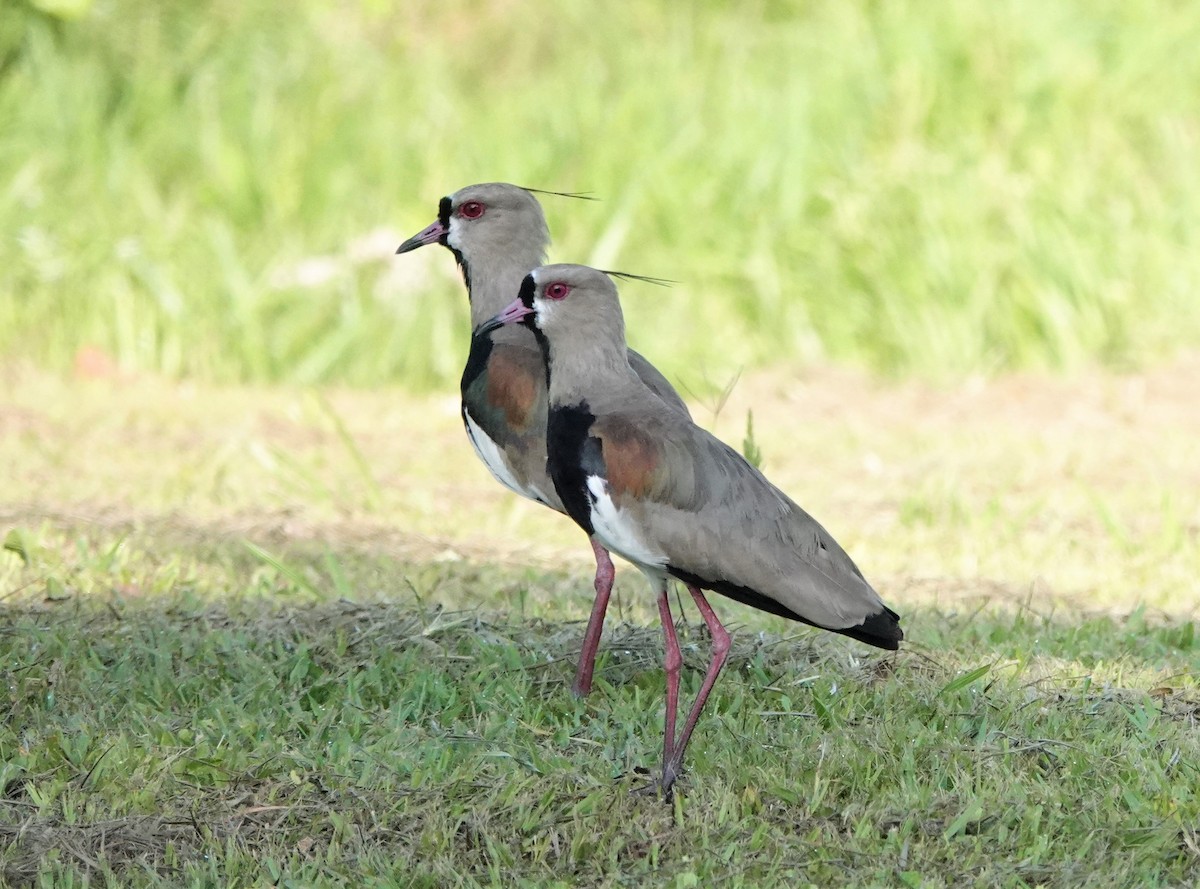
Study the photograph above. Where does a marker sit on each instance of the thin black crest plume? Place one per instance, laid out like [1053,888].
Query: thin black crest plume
[629,276]
[578,195]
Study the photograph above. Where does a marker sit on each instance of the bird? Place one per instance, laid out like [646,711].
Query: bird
[671,498]
[497,233]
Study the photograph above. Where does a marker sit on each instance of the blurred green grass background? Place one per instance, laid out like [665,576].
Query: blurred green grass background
[214,189]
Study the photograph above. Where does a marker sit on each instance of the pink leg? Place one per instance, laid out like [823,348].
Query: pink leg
[672,663]
[720,649]
[591,638]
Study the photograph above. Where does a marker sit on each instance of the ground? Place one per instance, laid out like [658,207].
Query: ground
[301,636]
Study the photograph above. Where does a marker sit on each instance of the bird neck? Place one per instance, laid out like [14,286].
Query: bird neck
[494,281]
[587,370]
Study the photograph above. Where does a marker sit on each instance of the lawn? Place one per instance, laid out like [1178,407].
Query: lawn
[264,618]
[262,636]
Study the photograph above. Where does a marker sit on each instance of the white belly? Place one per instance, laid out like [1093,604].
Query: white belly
[493,458]
[615,530]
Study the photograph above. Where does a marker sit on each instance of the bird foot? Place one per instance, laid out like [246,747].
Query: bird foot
[651,787]
[659,787]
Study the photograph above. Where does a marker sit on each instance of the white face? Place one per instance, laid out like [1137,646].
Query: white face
[543,310]
[454,236]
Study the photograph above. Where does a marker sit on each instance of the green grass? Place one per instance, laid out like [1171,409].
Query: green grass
[255,636]
[262,636]
[206,718]
[214,189]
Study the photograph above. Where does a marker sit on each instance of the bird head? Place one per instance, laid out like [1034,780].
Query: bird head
[493,217]
[564,301]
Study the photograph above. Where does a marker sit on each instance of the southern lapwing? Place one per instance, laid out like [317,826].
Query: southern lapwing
[497,232]
[675,501]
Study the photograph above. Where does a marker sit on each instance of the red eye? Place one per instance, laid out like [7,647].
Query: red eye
[557,290]
[471,210]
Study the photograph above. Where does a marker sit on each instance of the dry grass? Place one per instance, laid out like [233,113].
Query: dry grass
[1031,488]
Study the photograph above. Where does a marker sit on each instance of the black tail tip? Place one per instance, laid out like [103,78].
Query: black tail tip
[881,630]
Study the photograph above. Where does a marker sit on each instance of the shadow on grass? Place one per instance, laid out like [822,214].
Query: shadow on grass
[183,710]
